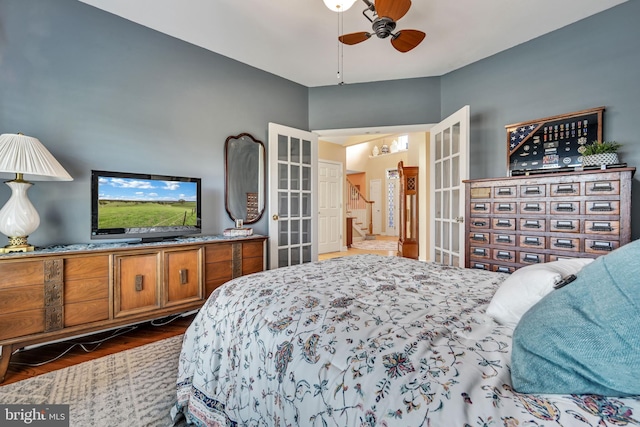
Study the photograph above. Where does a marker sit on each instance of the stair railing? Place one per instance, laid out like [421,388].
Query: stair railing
[360,207]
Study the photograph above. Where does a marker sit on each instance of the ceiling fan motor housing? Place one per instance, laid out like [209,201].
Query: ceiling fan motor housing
[383,27]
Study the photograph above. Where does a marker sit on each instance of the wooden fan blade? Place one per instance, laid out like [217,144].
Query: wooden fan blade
[394,9]
[354,38]
[407,40]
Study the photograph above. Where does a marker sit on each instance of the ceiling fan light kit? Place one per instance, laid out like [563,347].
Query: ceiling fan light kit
[386,14]
[339,5]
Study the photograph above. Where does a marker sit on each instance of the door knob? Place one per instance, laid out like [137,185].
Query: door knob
[275,217]
[460,219]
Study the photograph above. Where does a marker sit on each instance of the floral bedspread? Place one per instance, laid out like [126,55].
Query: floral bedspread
[365,341]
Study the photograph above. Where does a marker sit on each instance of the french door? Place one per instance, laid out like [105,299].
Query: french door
[449,144]
[293,189]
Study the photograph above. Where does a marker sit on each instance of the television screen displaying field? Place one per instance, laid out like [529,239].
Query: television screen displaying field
[146,203]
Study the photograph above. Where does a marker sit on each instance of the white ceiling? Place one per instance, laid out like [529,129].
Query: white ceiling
[297,39]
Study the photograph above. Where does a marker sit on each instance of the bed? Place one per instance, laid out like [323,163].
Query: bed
[365,341]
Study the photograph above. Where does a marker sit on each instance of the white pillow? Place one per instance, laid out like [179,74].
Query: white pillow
[528,285]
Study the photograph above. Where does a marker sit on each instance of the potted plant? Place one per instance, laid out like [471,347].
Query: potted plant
[600,153]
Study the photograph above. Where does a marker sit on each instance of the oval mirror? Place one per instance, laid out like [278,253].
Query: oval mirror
[244,186]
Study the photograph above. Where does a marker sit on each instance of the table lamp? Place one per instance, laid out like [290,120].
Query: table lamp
[25,157]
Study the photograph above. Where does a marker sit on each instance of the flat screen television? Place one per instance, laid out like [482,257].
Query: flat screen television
[144,206]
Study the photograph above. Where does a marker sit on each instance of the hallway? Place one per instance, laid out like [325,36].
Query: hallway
[355,251]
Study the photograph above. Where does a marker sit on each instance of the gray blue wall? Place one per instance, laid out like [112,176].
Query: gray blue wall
[101,92]
[104,93]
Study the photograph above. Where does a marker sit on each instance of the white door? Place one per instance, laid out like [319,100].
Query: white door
[375,196]
[330,183]
[293,189]
[392,197]
[449,146]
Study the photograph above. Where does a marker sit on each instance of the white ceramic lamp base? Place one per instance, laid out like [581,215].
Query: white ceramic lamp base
[18,218]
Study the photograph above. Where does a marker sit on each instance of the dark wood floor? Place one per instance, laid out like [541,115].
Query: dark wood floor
[20,366]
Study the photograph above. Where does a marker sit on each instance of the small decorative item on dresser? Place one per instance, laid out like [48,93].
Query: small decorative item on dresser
[385,149]
[600,153]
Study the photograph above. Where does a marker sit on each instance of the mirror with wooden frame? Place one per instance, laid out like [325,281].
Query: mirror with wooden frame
[245,179]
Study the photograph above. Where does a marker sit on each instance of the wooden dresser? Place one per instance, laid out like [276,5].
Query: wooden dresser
[57,293]
[518,221]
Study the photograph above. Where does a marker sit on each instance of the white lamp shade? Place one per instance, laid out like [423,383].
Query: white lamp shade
[26,155]
[18,217]
[339,5]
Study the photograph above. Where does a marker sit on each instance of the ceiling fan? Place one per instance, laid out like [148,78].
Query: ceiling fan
[386,13]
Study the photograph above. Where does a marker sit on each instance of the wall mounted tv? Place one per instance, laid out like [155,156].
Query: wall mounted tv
[140,206]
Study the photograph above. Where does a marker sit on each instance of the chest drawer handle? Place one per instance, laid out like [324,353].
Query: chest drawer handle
[602,186]
[531,224]
[504,191]
[138,282]
[503,223]
[565,225]
[532,207]
[503,255]
[565,207]
[479,266]
[532,190]
[602,246]
[531,258]
[479,252]
[503,269]
[480,207]
[503,239]
[601,207]
[564,243]
[565,189]
[479,238]
[479,223]
[504,207]
[601,226]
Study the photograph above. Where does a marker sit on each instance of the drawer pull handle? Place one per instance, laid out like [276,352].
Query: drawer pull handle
[602,186]
[564,243]
[503,239]
[532,241]
[138,282]
[503,269]
[531,258]
[602,246]
[504,207]
[565,225]
[479,238]
[532,224]
[532,207]
[503,255]
[601,207]
[532,190]
[601,226]
[479,266]
[503,223]
[480,207]
[504,191]
[479,252]
[565,189]
[565,207]
[184,276]
[479,223]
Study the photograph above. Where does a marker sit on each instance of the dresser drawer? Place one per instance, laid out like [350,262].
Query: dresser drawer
[602,207]
[503,268]
[532,224]
[569,189]
[479,252]
[600,247]
[481,223]
[504,207]
[531,258]
[565,225]
[504,255]
[478,238]
[602,227]
[480,207]
[503,239]
[533,208]
[504,223]
[504,191]
[532,241]
[565,208]
[603,187]
[533,190]
[565,244]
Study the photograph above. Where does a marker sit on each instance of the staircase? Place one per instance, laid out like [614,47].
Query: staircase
[360,209]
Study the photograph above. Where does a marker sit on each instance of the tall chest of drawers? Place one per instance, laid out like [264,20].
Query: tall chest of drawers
[518,221]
